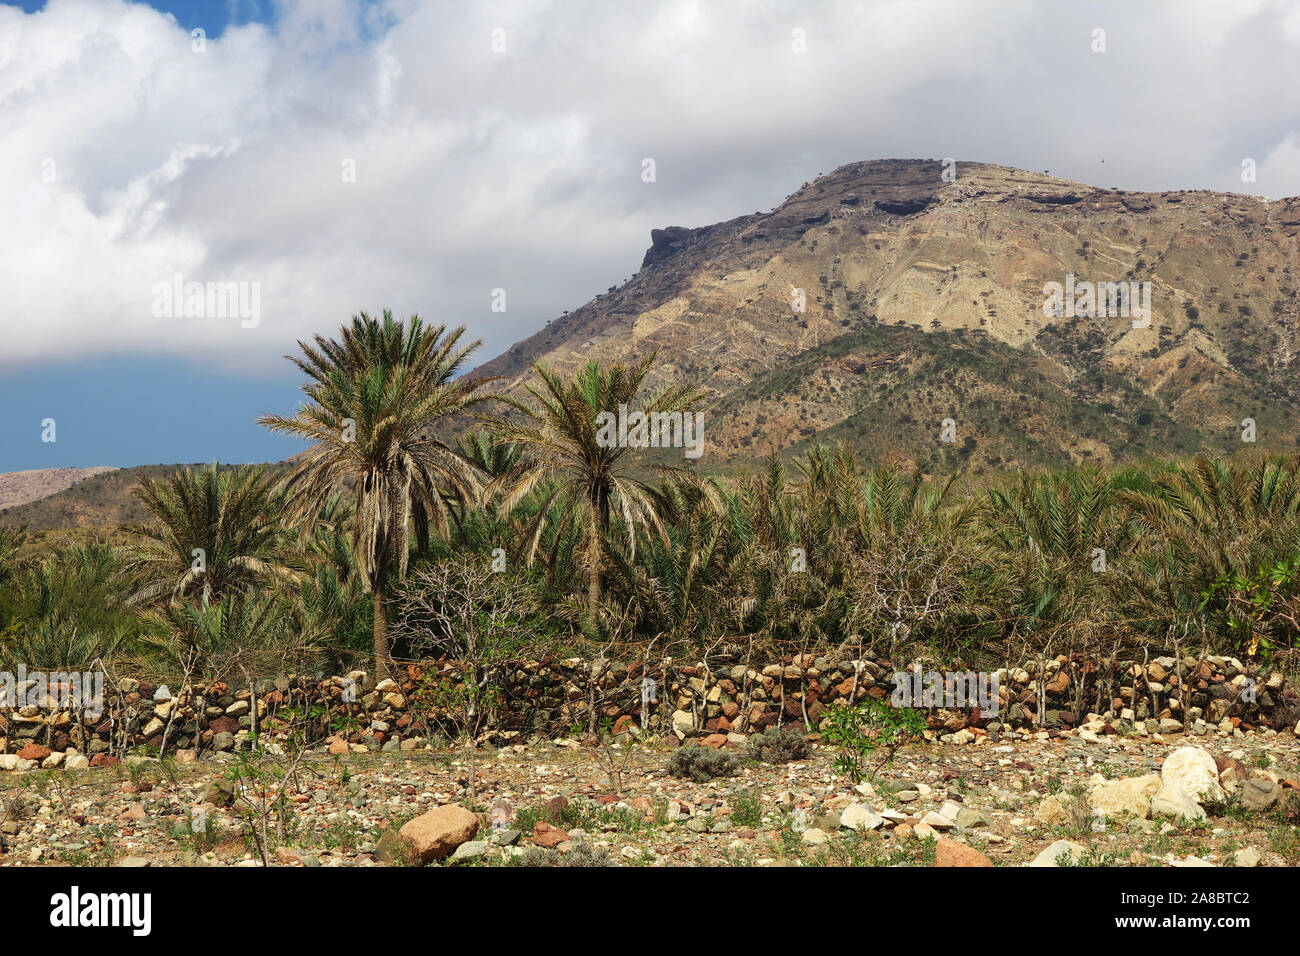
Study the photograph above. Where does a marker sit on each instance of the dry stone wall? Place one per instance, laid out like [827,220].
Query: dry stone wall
[553,698]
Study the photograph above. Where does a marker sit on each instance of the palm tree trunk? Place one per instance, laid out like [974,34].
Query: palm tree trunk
[593,568]
[381,636]
[599,527]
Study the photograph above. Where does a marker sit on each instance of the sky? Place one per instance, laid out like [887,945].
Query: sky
[303,162]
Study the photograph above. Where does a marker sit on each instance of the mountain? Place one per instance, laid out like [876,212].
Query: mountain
[924,300]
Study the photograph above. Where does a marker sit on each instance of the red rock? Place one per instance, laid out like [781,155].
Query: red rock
[1059,683]
[547,836]
[104,760]
[338,746]
[436,834]
[624,724]
[34,752]
[226,725]
[951,853]
[286,857]
[714,740]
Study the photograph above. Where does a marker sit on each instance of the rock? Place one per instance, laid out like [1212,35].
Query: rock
[814,836]
[338,746]
[436,834]
[859,816]
[287,856]
[1247,856]
[34,751]
[1174,800]
[547,836]
[469,850]
[76,762]
[223,741]
[1193,769]
[506,837]
[936,821]
[1170,726]
[220,792]
[1126,795]
[683,723]
[952,853]
[1056,809]
[1258,794]
[1072,851]
[969,818]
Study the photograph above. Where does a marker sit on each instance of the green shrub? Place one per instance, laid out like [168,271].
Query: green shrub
[778,745]
[701,764]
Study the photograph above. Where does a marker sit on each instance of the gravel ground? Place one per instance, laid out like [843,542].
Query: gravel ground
[559,803]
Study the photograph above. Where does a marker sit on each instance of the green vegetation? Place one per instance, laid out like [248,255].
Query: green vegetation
[529,536]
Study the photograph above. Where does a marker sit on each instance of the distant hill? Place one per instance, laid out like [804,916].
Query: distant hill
[104,500]
[20,487]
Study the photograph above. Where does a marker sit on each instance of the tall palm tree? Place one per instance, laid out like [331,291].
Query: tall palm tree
[376,395]
[216,533]
[592,479]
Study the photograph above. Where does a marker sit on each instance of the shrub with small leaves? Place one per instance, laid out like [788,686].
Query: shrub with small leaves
[701,764]
[778,745]
[582,854]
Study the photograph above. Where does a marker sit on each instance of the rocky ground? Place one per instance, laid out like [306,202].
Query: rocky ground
[1029,799]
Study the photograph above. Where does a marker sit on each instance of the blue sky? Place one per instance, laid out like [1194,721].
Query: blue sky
[336,156]
[212,16]
[132,410]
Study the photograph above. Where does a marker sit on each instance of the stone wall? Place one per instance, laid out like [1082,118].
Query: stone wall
[553,698]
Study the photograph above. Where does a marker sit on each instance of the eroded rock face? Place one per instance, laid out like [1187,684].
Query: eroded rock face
[897,258]
[437,834]
[1193,769]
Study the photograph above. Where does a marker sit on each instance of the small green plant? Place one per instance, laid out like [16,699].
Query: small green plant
[859,730]
[746,811]
[701,764]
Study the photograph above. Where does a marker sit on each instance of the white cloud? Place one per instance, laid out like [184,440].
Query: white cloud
[477,170]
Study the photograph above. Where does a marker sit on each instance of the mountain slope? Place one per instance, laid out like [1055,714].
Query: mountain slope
[924,300]
[21,487]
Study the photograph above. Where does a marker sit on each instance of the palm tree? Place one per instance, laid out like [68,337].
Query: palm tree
[1052,535]
[1226,524]
[376,395]
[584,480]
[68,610]
[202,637]
[217,532]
